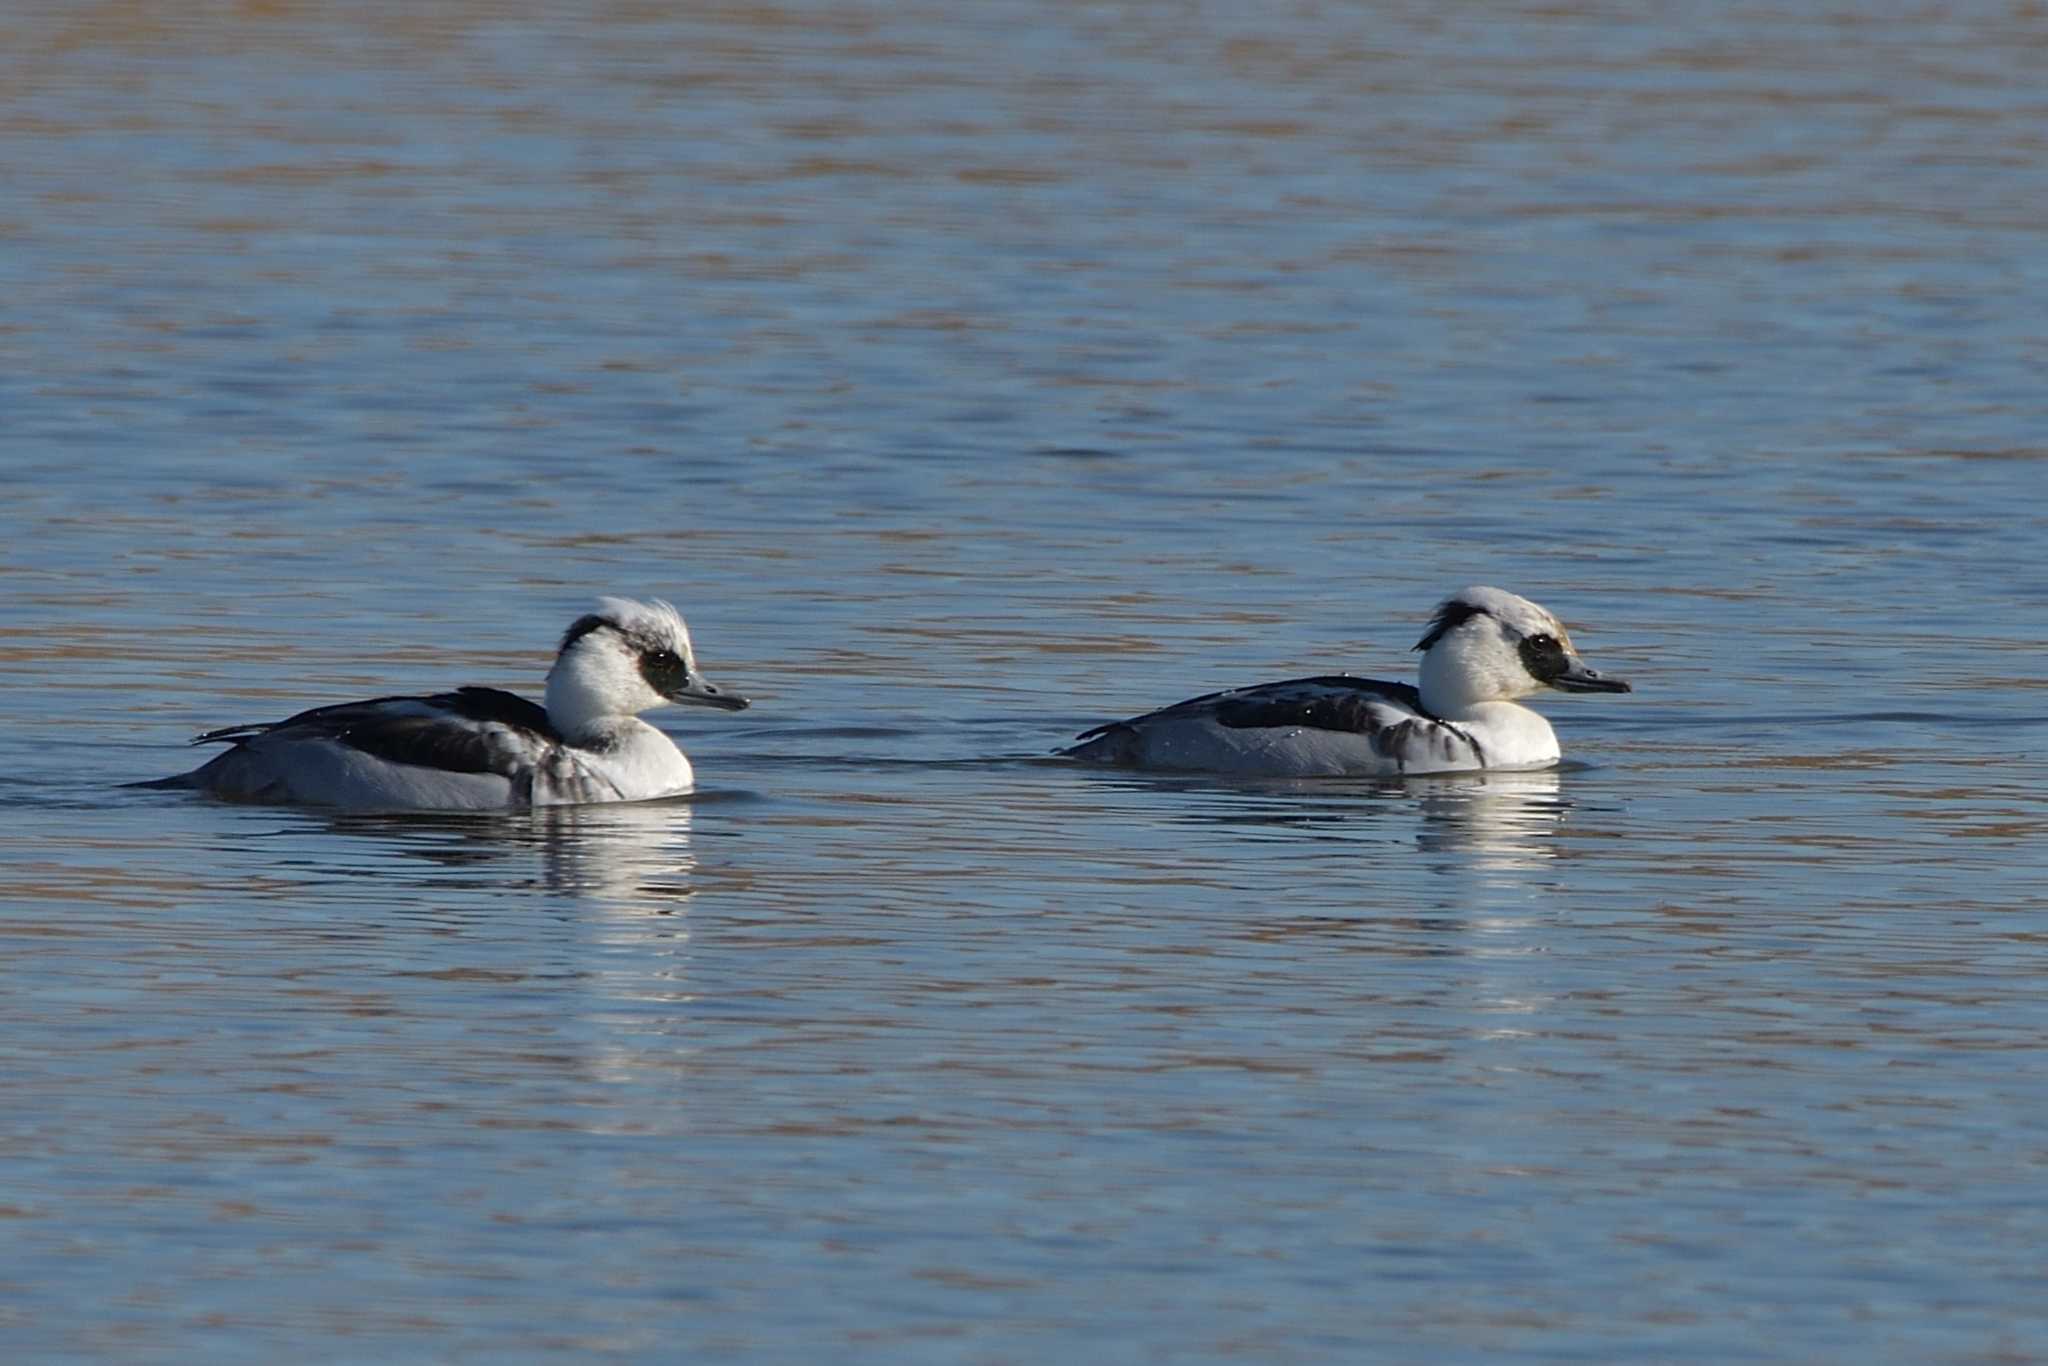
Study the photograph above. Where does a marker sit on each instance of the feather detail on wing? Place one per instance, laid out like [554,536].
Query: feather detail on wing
[1330,702]
[1390,717]
[471,730]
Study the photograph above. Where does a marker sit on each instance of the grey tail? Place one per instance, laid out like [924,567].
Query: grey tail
[176,781]
[1115,743]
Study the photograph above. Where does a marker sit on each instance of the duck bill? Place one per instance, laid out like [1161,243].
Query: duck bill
[1581,677]
[699,693]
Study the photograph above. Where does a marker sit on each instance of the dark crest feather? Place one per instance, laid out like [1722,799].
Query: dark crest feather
[1453,614]
[582,627]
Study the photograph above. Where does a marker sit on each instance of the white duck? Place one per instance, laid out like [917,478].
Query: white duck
[480,748]
[1484,649]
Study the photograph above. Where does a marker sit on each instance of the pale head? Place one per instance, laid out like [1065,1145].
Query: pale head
[1487,645]
[625,658]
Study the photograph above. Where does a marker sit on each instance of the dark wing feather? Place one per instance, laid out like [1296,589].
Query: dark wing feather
[1193,704]
[506,708]
[1390,715]
[445,731]
[1328,702]
[1336,702]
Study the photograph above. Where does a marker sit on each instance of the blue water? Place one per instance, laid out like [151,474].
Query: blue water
[969,376]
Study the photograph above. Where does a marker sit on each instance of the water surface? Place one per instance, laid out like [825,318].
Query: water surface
[969,377]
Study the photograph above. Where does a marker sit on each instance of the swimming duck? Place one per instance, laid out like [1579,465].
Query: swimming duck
[480,748]
[1484,649]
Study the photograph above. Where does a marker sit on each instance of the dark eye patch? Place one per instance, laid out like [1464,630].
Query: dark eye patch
[1544,657]
[664,671]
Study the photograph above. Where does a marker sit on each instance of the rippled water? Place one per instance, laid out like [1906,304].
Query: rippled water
[969,376]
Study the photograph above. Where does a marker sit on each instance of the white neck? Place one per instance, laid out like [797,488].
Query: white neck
[1458,675]
[1470,681]
[586,712]
[586,699]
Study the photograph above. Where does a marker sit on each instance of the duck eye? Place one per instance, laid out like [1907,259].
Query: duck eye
[1544,657]
[664,670]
